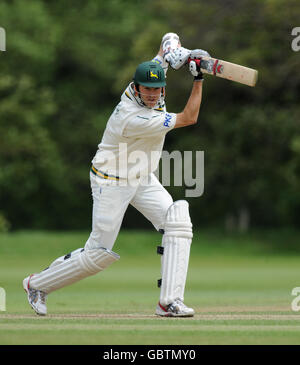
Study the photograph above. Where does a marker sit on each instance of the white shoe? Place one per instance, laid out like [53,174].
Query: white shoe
[36,298]
[175,309]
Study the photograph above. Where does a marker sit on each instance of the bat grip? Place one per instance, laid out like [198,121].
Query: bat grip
[197,60]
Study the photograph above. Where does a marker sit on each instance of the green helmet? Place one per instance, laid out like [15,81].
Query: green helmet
[149,74]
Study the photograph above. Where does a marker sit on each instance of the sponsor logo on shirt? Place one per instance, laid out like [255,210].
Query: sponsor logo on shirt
[167,119]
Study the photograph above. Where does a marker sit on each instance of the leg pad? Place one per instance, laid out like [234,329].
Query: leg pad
[79,265]
[176,244]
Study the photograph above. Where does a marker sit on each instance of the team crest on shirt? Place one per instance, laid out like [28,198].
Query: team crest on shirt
[167,119]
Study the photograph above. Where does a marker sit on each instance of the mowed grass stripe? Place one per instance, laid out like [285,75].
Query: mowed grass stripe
[156,328]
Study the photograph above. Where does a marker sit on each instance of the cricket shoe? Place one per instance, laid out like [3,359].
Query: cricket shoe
[175,309]
[36,298]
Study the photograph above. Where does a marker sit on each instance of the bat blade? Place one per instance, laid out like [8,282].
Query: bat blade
[229,71]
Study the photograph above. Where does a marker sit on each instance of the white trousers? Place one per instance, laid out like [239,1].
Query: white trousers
[111,200]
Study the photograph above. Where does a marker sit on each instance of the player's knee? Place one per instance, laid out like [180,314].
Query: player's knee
[178,220]
[97,259]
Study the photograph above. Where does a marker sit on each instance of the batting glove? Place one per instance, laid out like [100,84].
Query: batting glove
[195,70]
[178,57]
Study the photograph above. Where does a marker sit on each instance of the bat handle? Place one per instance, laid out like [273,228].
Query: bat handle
[197,60]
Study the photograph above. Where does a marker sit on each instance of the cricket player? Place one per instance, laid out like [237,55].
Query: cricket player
[122,173]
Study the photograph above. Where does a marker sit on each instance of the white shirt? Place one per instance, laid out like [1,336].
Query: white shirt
[133,140]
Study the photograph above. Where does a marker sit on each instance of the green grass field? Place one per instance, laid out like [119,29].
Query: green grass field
[239,285]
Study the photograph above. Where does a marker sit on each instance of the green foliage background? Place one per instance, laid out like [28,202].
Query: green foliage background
[66,65]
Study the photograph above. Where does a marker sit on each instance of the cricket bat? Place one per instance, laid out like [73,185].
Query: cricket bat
[227,70]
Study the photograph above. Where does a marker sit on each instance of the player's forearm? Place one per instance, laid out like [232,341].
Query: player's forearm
[192,107]
[190,113]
